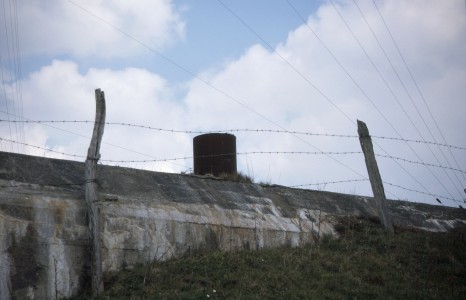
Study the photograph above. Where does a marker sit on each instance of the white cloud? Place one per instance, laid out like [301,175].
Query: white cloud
[63,28]
[263,82]
[60,92]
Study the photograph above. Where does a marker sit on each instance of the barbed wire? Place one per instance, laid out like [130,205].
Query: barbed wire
[83,136]
[239,153]
[190,157]
[230,154]
[42,148]
[385,182]
[419,163]
[258,153]
[418,141]
[416,191]
[184,131]
[328,182]
[233,130]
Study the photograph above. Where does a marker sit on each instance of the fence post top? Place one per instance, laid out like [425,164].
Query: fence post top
[363,131]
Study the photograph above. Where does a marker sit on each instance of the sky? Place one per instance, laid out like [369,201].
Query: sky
[296,74]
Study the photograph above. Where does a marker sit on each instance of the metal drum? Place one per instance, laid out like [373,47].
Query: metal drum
[214,153]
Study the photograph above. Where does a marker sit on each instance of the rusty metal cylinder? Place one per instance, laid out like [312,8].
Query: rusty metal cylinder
[214,153]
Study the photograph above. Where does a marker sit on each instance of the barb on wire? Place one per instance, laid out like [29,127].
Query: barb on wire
[418,141]
[185,131]
[329,182]
[42,148]
[233,130]
[416,191]
[229,154]
[419,163]
[191,157]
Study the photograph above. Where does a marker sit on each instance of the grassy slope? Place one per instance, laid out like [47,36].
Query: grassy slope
[364,263]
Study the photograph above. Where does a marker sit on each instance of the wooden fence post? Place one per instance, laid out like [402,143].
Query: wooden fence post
[93,156]
[374,176]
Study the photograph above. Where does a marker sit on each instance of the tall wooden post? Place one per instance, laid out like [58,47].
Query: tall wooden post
[93,156]
[374,176]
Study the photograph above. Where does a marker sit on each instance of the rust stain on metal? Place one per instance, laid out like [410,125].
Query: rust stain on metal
[214,153]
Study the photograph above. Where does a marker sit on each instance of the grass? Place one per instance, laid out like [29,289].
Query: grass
[365,262]
[236,177]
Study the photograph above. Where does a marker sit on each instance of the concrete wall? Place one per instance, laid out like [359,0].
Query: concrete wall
[149,215]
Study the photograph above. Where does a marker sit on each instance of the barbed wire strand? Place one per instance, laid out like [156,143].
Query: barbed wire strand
[86,137]
[401,106]
[344,181]
[6,99]
[417,110]
[218,155]
[420,163]
[290,65]
[200,132]
[328,182]
[189,157]
[185,131]
[417,86]
[248,153]
[419,142]
[259,130]
[238,153]
[42,148]
[368,98]
[207,83]
[424,193]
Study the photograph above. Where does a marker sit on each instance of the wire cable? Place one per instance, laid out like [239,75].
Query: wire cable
[419,142]
[409,96]
[328,182]
[42,148]
[218,90]
[419,192]
[6,101]
[7,35]
[417,88]
[232,154]
[239,153]
[421,163]
[258,130]
[354,81]
[287,62]
[255,131]
[395,97]
[88,138]
[18,65]
[186,131]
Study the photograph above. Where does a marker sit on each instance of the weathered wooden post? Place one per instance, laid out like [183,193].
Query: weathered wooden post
[374,176]
[93,156]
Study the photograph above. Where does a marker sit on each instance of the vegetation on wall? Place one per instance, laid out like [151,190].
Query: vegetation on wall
[236,177]
[364,262]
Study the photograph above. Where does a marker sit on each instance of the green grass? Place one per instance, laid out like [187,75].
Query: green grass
[365,262]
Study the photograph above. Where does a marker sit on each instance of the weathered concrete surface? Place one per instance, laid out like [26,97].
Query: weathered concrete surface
[149,215]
